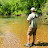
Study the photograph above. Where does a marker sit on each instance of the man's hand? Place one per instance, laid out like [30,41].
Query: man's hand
[27,20]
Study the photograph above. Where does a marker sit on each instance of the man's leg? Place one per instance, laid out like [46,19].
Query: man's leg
[34,37]
[28,37]
[28,41]
[29,34]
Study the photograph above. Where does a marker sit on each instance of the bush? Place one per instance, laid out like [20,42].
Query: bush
[45,12]
[8,7]
[45,9]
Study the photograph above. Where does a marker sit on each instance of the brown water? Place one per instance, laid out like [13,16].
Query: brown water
[13,33]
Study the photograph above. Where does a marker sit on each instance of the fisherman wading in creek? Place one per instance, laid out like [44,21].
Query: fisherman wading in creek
[32,27]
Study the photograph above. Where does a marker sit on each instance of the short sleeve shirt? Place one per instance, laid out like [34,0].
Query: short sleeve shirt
[32,18]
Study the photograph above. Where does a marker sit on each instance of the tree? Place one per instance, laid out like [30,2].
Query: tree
[11,7]
[45,12]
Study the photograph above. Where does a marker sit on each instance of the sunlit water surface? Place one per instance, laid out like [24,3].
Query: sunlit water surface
[13,33]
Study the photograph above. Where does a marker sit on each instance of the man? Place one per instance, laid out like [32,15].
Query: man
[32,28]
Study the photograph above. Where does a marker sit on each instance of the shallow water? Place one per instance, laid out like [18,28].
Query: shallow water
[13,33]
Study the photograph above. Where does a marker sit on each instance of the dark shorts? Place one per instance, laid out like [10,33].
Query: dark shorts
[31,31]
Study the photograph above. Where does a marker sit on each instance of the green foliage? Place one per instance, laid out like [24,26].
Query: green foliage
[11,7]
[45,9]
[45,12]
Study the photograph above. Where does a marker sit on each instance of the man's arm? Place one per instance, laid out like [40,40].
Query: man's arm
[28,19]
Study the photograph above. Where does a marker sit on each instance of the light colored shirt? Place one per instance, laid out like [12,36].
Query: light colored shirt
[32,19]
